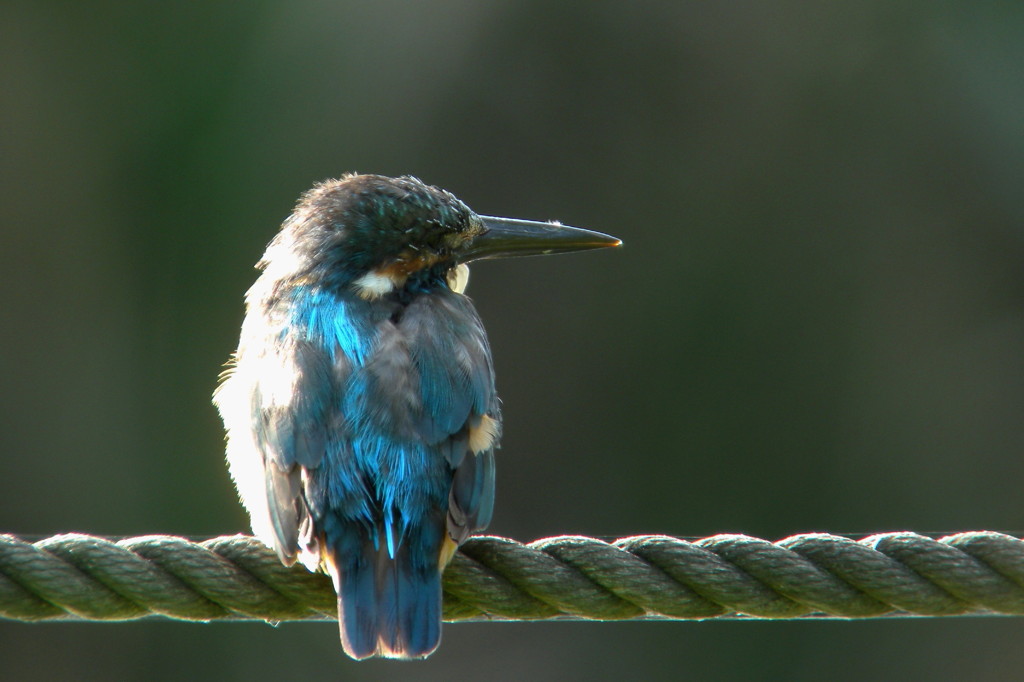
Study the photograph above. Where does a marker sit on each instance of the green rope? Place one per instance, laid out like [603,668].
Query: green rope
[81,577]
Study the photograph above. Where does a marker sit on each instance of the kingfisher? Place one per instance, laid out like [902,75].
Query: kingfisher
[360,407]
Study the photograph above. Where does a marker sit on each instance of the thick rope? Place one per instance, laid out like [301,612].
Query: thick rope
[81,577]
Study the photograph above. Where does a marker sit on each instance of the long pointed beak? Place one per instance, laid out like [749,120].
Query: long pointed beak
[508,237]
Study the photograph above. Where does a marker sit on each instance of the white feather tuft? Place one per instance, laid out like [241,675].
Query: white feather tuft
[458,278]
[374,284]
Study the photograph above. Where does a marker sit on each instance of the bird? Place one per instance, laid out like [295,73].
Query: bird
[360,409]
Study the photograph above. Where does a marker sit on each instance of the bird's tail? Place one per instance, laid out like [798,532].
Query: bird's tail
[389,597]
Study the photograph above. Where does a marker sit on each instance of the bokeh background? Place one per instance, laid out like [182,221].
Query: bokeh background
[817,322]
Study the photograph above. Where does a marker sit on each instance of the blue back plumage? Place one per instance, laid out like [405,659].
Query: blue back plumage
[367,445]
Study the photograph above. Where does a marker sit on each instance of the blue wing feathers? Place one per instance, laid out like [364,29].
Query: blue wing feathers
[294,433]
[435,344]
[471,499]
[283,489]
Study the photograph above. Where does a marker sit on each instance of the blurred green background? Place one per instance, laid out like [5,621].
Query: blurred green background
[817,322]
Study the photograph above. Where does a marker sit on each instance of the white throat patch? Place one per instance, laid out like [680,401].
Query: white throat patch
[458,278]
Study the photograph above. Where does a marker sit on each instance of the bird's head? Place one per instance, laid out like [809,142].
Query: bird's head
[378,235]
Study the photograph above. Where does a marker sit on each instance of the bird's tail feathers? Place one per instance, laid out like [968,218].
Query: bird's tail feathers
[389,607]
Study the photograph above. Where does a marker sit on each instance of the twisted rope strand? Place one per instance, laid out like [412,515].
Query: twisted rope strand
[81,577]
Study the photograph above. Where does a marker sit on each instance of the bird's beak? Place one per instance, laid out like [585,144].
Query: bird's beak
[507,237]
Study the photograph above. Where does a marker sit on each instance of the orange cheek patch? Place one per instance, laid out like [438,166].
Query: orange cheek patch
[409,263]
[384,280]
